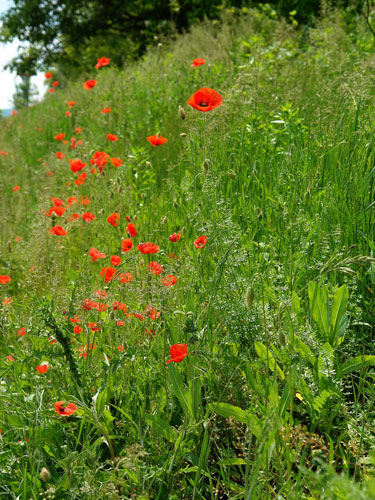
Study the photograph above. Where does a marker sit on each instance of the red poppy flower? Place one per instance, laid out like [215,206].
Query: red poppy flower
[42,368]
[156,140]
[72,200]
[22,331]
[71,103]
[85,201]
[58,231]
[7,301]
[178,353]
[131,230]
[4,279]
[68,114]
[51,91]
[107,273]
[76,165]
[73,217]
[57,210]
[94,327]
[102,61]
[88,217]
[106,110]
[73,143]
[155,268]
[205,99]
[88,304]
[59,137]
[119,306]
[174,237]
[55,84]
[77,329]
[116,162]
[80,179]
[75,319]
[90,84]
[16,188]
[56,201]
[48,75]
[169,280]
[152,312]
[78,130]
[9,358]
[60,156]
[126,245]
[112,137]
[114,219]
[67,410]
[99,159]
[198,62]
[95,254]
[115,260]
[125,277]
[121,323]
[200,242]
[147,248]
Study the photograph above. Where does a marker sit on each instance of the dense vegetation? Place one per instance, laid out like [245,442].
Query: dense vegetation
[275,306]
[69,33]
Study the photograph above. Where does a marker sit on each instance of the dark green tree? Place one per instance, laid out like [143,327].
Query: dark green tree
[73,33]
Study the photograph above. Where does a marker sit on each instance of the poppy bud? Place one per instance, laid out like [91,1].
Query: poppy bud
[148,164]
[45,475]
[181,113]
[206,164]
[249,297]
[231,174]
[183,134]
[282,339]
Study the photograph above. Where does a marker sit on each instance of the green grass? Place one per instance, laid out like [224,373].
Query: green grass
[275,399]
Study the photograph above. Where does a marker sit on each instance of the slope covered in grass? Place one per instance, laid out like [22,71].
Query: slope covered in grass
[276,311]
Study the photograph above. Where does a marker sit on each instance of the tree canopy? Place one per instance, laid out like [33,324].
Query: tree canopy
[72,33]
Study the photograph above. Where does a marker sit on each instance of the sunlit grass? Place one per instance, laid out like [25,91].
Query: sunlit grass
[270,401]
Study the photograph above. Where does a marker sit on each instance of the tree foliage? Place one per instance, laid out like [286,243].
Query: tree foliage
[72,33]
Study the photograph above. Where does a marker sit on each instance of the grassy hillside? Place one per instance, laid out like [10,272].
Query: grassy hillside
[275,397]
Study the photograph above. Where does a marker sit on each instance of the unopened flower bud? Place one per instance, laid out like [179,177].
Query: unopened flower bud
[181,113]
[148,164]
[45,475]
[249,297]
[206,164]
[183,134]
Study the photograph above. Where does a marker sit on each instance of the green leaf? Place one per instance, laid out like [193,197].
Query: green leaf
[318,298]
[337,315]
[161,427]
[232,461]
[266,356]
[303,350]
[227,410]
[179,391]
[356,364]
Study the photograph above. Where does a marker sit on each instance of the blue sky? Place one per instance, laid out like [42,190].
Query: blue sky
[7,79]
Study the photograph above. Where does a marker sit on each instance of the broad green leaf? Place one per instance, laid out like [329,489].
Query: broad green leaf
[232,461]
[179,391]
[356,364]
[304,350]
[337,315]
[161,427]
[227,410]
[318,298]
[266,356]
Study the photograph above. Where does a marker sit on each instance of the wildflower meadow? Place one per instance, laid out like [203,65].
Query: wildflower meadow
[187,271]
